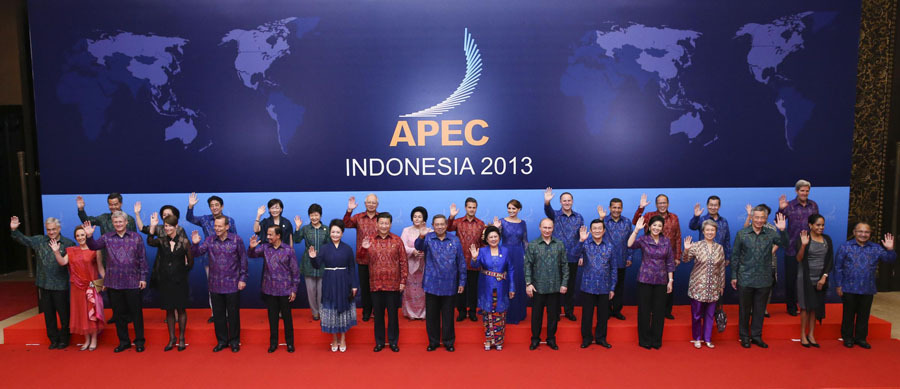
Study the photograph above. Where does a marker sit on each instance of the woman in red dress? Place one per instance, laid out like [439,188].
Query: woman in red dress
[85,267]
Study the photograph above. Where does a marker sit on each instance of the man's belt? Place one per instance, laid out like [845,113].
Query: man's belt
[498,276]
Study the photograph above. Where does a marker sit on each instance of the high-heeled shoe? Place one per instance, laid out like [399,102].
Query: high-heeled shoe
[334,347]
[84,346]
[343,348]
[170,346]
[181,345]
[92,347]
[806,345]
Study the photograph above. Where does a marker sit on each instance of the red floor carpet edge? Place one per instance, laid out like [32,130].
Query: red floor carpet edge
[676,365]
[17,297]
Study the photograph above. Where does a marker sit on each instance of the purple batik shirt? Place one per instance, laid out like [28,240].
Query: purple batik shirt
[658,260]
[797,217]
[227,262]
[281,273]
[125,261]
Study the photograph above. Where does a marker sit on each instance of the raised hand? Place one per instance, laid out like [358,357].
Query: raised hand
[453,210]
[366,243]
[312,252]
[780,222]
[473,250]
[351,203]
[195,237]
[79,202]
[497,222]
[644,202]
[698,210]
[298,222]
[804,237]
[688,243]
[14,223]
[88,229]
[640,224]
[193,200]
[54,245]
[582,233]
[601,212]
[137,207]
[782,202]
[254,241]
[749,209]
[154,219]
[260,211]
[548,194]
[888,242]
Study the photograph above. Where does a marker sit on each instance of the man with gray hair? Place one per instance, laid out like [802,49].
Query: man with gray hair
[126,276]
[52,279]
[751,273]
[797,212]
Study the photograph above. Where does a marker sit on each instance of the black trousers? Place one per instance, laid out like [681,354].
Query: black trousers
[651,313]
[615,305]
[127,307]
[569,297]
[468,299]
[279,305]
[601,302]
[855,322]
[390,301]
[365,297]
[227,317]
[551,302]
[55,303]
[439,319]
[751,311]
[790,282]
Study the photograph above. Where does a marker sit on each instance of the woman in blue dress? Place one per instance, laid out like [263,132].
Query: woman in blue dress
[494,288]
[339,285]
[514,235]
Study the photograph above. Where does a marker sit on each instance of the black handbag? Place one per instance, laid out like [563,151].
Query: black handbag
[721,320]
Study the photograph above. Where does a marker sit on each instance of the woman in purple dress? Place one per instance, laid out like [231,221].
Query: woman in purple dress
[514,235]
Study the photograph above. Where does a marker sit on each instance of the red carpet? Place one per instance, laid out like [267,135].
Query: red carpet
[17,297]
[255,329]
[676,365]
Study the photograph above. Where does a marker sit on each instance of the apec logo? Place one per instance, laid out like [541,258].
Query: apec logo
[452,132]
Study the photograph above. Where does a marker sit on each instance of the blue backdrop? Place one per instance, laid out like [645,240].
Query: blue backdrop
[428,102]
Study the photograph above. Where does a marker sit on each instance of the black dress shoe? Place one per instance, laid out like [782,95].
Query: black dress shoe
[450,348]
[219,347]
[367,316]
[804,344]
[533,345]
[235,348]
[290,348]
[585,344]
[863,344]
[472,316]
[394,348]
[745,343]
[848,344]
[210,320]
[571,316]
[112,320]
[792,312]
[461,316]
[52,346]
[139,349]
[619,316]
[431,347]
[378,347]
[670,317]
[272,348]
[656,346]
[767,315]
[552,345]
[646,346]
[759,343]
[62,345]
[604,344]
[121,347]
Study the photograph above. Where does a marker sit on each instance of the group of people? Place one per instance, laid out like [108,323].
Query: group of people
[484,268]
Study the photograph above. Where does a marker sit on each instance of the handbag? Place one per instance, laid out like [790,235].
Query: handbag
[98,283]
[721,320]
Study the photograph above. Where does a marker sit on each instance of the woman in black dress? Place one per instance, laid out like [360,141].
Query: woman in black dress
[170,275]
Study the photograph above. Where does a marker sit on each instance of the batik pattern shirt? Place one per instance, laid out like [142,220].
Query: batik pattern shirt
[281,274]
[797,216]
[207,223]
[445,265]
[599,268]
[104,221]
[469,232]
[125,260]
[708,275]
[723,234]
[671,228]
[311,237]
[546,266]
[657,261]
[48,274]
[617,233]
[365,226]
[566,228]
[227,262]
[388,267]
[855,266]
[751,261]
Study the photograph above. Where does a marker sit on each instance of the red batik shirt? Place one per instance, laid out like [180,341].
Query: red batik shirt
[469,232]
[386,258]
[365,226]
[671,229]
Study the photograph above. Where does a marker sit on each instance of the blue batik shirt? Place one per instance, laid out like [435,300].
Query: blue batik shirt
[566,229]
[445,265]
[855,266]
[617,233]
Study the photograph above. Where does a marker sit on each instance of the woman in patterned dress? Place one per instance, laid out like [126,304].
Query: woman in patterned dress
[707,281]
[494,286]
[414,295]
